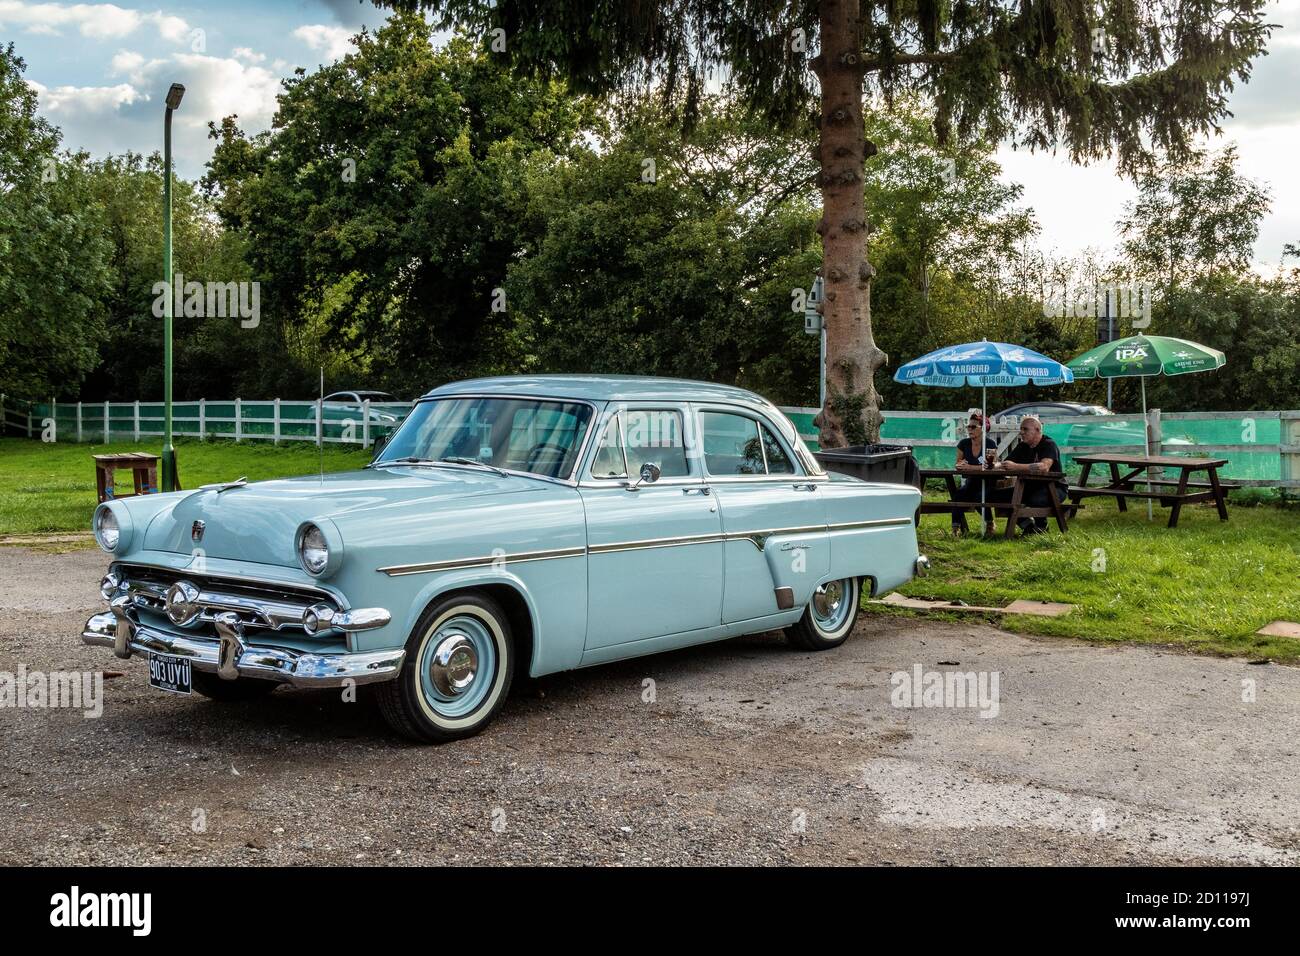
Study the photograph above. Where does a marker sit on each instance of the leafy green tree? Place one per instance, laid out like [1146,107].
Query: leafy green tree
[936,206]
[53,271]
[1098,77]
[658,254]
[380,207]
[1254,322]
[124,199]
[1193,215]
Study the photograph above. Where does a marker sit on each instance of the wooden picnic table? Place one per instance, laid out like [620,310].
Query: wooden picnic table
[1121,486]
[1014,509]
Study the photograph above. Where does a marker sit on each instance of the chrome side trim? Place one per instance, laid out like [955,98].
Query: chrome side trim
[756,538]
[656,543]
[759,538]
[457,564]
[874,523]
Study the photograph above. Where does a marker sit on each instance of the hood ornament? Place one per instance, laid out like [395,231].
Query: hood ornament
[196,531]
[221,486]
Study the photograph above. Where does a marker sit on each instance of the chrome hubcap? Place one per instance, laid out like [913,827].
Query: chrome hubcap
[454,665]
[827,600]
[831,605]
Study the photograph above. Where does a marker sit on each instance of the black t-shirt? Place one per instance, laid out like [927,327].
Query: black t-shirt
[967,449]
[1046,448]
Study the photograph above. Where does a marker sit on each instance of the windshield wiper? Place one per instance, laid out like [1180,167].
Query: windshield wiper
[409,460]
[459,460]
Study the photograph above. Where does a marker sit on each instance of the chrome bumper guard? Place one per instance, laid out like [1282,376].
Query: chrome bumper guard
[230,657]
[922,566]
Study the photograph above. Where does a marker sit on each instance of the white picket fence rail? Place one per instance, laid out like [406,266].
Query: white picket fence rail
[276,420]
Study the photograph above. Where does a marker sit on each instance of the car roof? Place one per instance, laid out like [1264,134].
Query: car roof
[1047,403]
[601,388]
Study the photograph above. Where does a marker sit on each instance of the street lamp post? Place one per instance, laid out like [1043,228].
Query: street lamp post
[174,96]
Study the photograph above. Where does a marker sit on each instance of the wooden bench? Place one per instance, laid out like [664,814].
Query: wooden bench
[1014,509]
[144,472]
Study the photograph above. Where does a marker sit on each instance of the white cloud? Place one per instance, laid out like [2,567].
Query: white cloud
[128,116]
[62,103]
[335,41]
[98,21]
[169,27]
[248,55]
[216,87]
[126,61]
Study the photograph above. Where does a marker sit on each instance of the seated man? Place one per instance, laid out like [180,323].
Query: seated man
[975,453]
[1035,453]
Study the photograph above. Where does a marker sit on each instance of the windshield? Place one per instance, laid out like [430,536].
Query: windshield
[520,434]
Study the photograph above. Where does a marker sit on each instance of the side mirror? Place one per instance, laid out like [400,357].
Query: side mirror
[649,475]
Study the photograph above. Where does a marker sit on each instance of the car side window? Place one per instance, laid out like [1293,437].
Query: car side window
[609,461]
[778,462]
[636,436]
[731,444]
[655,435]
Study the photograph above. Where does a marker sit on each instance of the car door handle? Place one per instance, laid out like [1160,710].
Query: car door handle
[805,486]
[697,491]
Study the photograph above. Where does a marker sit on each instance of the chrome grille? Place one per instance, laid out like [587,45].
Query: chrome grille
[265,607]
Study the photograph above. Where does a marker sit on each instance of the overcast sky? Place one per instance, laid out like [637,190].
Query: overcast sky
[102,70]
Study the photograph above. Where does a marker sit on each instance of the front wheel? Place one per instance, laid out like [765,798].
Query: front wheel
[829,617]
[460,660]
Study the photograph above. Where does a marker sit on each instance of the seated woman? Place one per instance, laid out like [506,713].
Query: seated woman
[975,453]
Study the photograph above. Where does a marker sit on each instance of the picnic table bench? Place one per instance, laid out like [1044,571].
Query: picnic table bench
[1014,509]
[1184,491]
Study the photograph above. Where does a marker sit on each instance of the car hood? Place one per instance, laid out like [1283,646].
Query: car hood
[257,522]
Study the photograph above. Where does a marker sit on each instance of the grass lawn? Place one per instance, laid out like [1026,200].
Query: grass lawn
[51,487]
[1205,586]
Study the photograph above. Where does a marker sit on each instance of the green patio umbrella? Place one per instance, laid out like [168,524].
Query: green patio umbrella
[1144,355]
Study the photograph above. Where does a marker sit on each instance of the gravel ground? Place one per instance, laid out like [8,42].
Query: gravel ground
[744,752]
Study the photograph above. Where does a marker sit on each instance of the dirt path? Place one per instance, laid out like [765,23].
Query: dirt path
[741,752]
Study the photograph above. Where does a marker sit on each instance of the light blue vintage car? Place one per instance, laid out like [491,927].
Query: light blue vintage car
[547,523]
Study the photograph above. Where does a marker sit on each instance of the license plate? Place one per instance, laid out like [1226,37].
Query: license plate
[168,673]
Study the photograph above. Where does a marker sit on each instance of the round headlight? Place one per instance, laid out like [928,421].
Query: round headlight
[106,530]
[313,552]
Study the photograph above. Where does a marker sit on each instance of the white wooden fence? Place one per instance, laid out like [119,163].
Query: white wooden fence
[276,420]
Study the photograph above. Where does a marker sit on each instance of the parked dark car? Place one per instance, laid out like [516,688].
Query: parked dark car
[1052,409]
[1096,426]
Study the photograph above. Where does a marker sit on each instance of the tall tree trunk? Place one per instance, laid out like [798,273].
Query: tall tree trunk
[852,412]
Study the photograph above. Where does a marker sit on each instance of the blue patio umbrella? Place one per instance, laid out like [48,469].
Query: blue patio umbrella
[981,365]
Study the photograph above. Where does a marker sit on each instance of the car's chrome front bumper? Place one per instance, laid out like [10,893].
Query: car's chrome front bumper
[229,657]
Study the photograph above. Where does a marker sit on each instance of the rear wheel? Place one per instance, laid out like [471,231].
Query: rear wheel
[829,617]
[460,661]
[241,688]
